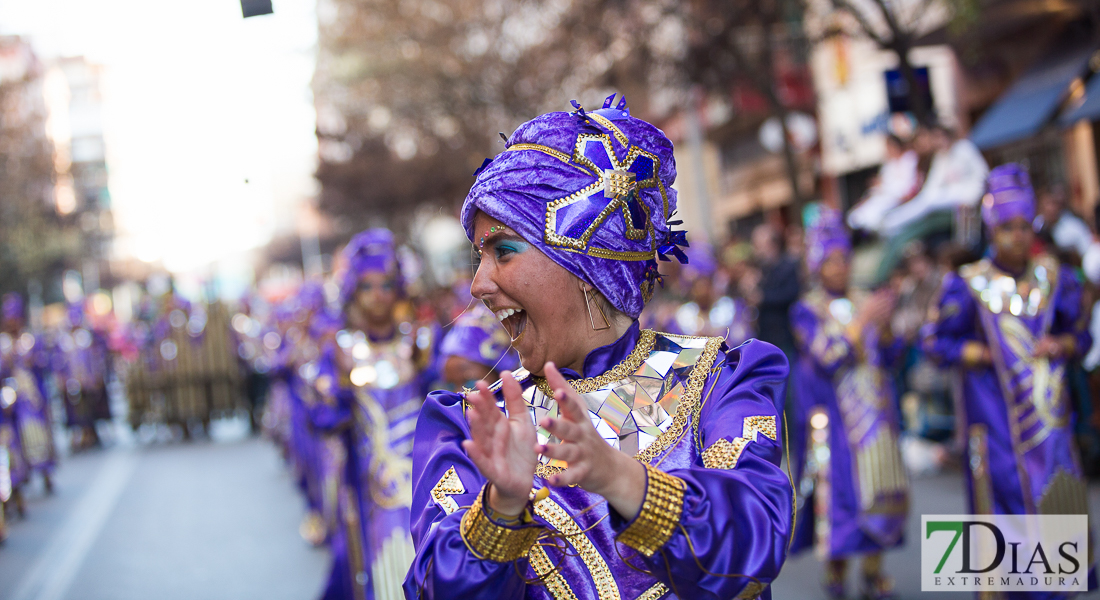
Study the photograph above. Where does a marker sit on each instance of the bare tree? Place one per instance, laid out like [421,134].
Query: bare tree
[35,242]
[896,25]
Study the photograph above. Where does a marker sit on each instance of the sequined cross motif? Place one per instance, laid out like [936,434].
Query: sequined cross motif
[572,221]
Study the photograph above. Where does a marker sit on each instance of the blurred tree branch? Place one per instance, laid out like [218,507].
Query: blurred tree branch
[34,240]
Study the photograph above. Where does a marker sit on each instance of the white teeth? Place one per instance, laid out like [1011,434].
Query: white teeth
[507,312]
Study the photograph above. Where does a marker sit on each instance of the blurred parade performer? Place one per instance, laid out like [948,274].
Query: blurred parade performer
[372,383]
[1012,322]
[318,455]
[83,364]
[843,380]
[186,373]
[673,486]
[477,347]
[14,470]
[23,371]
[708,311]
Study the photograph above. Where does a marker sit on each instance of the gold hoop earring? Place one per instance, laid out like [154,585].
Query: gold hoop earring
[591,318]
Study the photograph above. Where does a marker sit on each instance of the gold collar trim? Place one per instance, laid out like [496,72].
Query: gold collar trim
[627,367]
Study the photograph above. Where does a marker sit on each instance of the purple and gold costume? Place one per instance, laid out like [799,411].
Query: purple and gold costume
[23,362]
[699,411]
[592,190]
[849,453]
[1020,450]
[370,393]
[1016,412]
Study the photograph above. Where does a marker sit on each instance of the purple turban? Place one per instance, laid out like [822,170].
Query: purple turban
[1010,196]
[13,306]
[825,233]
[477,336]
[369,251]
[593,191]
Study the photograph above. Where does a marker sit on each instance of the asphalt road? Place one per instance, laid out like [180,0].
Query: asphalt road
[202,520]
[213,520]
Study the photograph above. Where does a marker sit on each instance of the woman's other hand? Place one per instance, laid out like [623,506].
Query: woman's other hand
[502,446]
[594,464]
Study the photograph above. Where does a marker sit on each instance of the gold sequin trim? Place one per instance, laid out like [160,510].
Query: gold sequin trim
[612,255]
[662,508]
[627,367]
[449,484]
[551,578]
[581,161]
[619,135]
[689,402]
[723,454]
[559,519]
[659,589]
[489,541]
[558,154]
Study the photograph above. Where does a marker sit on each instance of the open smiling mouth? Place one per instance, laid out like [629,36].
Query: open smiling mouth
[514,321]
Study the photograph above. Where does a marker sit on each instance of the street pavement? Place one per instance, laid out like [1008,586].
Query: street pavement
[201,520]
[219,519]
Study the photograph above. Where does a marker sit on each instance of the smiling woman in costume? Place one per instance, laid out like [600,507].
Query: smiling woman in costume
[617,463]
[848,456]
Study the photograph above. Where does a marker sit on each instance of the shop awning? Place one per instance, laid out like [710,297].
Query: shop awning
[1089,109]
[1032,101]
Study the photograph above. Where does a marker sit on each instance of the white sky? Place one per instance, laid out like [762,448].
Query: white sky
[197,100]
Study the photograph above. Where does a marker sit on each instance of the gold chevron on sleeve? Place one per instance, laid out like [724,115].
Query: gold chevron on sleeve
[724,454]
[448,485]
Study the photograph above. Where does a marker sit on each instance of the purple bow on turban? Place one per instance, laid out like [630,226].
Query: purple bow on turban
[825,234]
[593,191]
[370,251]
[13,306]
[479,337]
[1010,196]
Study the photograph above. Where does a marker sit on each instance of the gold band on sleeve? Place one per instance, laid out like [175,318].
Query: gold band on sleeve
[662,508]
[490,541]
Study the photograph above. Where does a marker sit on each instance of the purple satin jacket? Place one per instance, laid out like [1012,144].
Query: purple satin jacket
[690,406]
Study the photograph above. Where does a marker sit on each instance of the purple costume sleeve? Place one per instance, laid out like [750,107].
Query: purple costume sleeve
[736,523]
[444,566]
[955,323]
[333,410]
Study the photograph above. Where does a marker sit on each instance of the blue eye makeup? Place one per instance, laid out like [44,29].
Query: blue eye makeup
[511,247]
